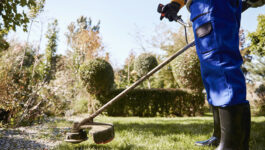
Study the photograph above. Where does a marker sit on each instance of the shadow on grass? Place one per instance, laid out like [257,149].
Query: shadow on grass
[159,129]
[86,146]
[257,139]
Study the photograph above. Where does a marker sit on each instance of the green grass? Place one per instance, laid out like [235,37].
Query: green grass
[133,133]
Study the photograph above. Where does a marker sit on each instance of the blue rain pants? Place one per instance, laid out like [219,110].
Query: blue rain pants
[216,26]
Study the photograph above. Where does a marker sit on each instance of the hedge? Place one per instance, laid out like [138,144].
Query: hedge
[154,102]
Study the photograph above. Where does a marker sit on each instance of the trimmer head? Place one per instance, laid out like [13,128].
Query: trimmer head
[102,133]
[76,137]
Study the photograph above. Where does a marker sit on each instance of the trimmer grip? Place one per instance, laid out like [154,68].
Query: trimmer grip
[160,8]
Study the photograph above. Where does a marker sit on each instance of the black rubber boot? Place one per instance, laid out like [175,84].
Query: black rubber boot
[235,127]
[215,139]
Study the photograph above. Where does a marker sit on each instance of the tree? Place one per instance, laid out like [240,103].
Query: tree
[3,43]
[11,17]
[126,76]
[84,40]
[254,54]
[37,9]
[257,38]
[254,62]
[50,54]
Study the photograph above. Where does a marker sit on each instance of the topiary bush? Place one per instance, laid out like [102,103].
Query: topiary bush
[97,76]
[145,63]
[186,71]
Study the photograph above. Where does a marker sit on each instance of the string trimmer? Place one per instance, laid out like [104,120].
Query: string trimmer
[103,133]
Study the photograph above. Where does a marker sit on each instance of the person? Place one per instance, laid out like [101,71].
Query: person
[216,26]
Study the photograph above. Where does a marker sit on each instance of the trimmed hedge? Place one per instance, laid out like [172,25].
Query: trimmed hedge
[154,102]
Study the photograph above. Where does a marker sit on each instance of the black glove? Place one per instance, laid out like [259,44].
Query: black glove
[256,3]
[171,10]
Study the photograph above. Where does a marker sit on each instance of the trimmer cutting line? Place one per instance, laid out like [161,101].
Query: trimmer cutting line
[102,132]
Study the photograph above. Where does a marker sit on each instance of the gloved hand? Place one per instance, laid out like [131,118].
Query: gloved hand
[171,10]
[256,3]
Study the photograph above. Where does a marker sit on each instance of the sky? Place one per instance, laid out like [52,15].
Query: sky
[121,22]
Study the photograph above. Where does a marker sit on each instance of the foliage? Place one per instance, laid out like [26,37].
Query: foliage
[3,43]
[164,78]
[34,85]
[19,87]
[84,40]
[186,67]
[11,15]
[37,9]
[97,76]
[22,89]
[126,76]
[260,91]
[84,43]
[253,54]
[50,54]
[145,63]
[63,90]
[154,102]
[257,38]
[256,69]
[186,71]
[80,106]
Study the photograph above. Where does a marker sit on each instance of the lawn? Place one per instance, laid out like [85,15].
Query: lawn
[133,133]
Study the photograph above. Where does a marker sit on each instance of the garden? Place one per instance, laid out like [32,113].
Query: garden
[44,92]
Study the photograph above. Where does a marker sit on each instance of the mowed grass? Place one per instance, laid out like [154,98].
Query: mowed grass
[133,133]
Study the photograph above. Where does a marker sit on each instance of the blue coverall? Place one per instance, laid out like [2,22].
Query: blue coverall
[216,26]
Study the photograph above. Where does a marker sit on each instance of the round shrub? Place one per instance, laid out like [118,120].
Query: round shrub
[186,71]
[145,63]
[97,75]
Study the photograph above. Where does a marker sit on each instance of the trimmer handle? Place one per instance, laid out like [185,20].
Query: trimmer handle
[177,18]
[160,10]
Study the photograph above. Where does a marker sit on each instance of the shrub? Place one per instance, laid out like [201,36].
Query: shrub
[97,76]
[155,102]
[19,85]
[186,71]
[80,106]
[145,63]
[186,67]
[260,91]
